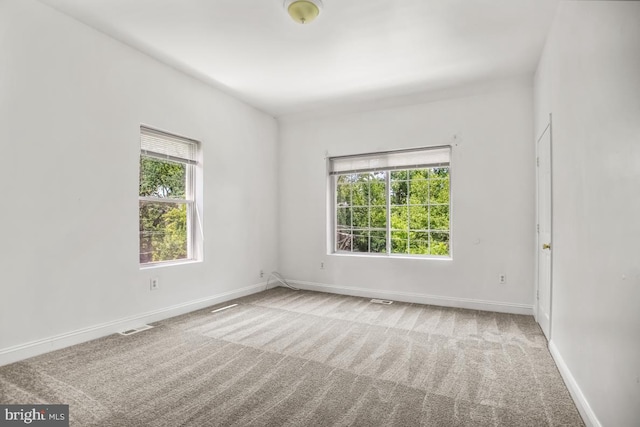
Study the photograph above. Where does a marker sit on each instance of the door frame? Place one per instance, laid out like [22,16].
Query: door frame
[536,305]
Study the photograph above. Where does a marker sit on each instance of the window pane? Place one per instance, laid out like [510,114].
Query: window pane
[399,192]
[164,179]
[439,191]
[419,174]
[419,192]
[378,242]
[399,217]
[363,177]
[377,192]
[419,243]
[378,176]
[343,195]
[439,218]
[163,231]
[344,217]
[378,217]
[343,240]
[361,217]
[360,241]
[360,194]
[419,217]
[399,175]
[439,243]
[398,242]
[352,177]
[440,173]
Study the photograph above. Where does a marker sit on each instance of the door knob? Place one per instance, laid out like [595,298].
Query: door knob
[546,246]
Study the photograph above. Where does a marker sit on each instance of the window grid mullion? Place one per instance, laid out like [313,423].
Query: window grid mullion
[368,216]
[336,216]
[190,212]
[351,213]
[387,183]
[164,200]
[429,213]
[408,215]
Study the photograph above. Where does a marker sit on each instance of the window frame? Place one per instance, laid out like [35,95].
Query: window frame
[332,214]
[193,168]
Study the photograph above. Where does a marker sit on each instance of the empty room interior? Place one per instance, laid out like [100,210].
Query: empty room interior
[309,213]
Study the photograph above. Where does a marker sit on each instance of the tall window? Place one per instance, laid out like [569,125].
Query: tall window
[394,203]
[168,213]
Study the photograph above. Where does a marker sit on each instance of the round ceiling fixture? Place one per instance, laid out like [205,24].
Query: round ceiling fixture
[303,11]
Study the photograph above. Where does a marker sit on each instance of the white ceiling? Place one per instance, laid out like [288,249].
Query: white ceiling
[355,51]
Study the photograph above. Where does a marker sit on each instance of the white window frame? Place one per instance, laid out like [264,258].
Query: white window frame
[193,170]
[386,161]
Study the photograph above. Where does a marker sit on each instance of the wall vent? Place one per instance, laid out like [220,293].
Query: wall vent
[135,330]
[381,301]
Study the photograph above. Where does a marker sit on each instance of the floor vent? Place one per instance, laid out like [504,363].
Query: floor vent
[224,308]
[136,330]
[381,301]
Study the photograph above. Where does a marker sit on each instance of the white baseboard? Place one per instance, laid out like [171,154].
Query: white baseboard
[581,402]
[35,348]
[473,304]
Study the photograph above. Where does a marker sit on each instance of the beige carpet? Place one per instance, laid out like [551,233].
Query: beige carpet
[286,358]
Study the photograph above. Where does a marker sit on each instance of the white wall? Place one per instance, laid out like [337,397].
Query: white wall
[492,199]
[589,79]
[71,103]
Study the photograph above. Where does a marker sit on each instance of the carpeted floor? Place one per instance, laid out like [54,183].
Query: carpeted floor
[286,358]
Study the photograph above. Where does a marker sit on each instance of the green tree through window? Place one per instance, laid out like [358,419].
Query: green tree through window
[166,198]
[394,211]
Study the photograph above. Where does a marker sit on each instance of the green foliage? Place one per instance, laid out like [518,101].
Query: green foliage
[163,226]
[160,178]
[419,204]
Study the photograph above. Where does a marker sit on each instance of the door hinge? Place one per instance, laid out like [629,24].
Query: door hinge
[538,228]
[537,294]
[537,161]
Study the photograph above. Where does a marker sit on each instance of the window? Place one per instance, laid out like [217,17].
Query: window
[168,210]
[392,203]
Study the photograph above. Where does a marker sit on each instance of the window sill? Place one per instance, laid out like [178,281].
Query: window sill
[386,256]
[154,265]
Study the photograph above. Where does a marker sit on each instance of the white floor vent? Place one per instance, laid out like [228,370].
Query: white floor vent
[381,301]
[136,330]
[224,308]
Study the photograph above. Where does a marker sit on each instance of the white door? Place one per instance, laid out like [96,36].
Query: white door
[543,309]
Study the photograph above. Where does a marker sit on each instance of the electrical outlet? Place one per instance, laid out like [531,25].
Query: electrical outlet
[502,278]
[261,274]
[322,266]
[154,284]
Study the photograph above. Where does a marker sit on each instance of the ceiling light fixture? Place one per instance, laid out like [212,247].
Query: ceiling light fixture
[303,11]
